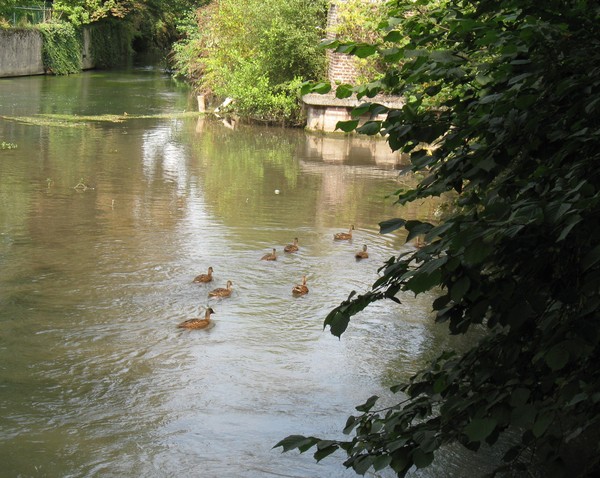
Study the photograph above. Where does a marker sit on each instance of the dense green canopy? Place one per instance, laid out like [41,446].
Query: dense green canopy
[256,52]
[507,96]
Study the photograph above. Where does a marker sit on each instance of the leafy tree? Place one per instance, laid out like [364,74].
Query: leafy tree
[153,21]
[509,93]
[256,52]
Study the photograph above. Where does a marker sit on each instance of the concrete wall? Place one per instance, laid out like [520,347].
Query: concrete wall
[324,111]
[87,62]
[20,53]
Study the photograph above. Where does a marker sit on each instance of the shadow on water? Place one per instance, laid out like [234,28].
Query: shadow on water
[95,378]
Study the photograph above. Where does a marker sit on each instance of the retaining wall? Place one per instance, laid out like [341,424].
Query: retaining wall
[21,52]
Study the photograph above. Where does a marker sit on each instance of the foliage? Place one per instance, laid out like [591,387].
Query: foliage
[110,43]
[254,52]
[81,12]
[517,131]
[357,21]
[153,22]
[187,52]
[6,7]
[61,48]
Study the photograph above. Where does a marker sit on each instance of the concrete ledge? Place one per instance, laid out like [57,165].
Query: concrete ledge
[324,111]
[329,99]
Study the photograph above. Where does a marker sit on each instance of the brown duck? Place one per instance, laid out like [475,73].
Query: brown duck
[221,292]
[205,277]
[270,257]
[204,323]
[362,254]
[344,236]
[300,289]
[292,247]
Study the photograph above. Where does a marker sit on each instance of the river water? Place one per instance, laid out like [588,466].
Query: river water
[103,226]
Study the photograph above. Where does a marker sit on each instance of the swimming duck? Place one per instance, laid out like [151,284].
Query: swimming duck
[292,247]
[221,292]
[344,236]
[204,277]
[299,290]
[270,257]
[362,254]
[198,323]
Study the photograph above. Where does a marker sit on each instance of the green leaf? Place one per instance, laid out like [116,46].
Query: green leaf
[350,424]
[329,43]
[338,323]
[519,397]
[321,88]
[361,109]
[423,282]
[364,51]
[306,88]
[400,461]
[297,441]
[362,464]
[344,91]
[480,428]
[324,452]
[385,227]
[394,36]
[541,424]
[557,357]
[523,416]
[422,459]
[433,90]
[381,462]
[347,126]
[525,101]
[370,128]
[591,258]
[365,407]
[477,252]
[460,288]
[570,223]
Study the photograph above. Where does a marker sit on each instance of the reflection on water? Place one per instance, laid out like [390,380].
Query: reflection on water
[95,378]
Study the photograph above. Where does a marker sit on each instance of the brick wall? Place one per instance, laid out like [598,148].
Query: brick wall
[342,68]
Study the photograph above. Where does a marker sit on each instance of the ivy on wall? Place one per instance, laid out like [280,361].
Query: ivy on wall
[61,48]
[111,43]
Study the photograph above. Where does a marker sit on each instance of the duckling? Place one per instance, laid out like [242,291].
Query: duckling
[198,323]
[299,290]
[362,254]
[221,292]
[270,257]
[292,247]
[344,236]
[204,277]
